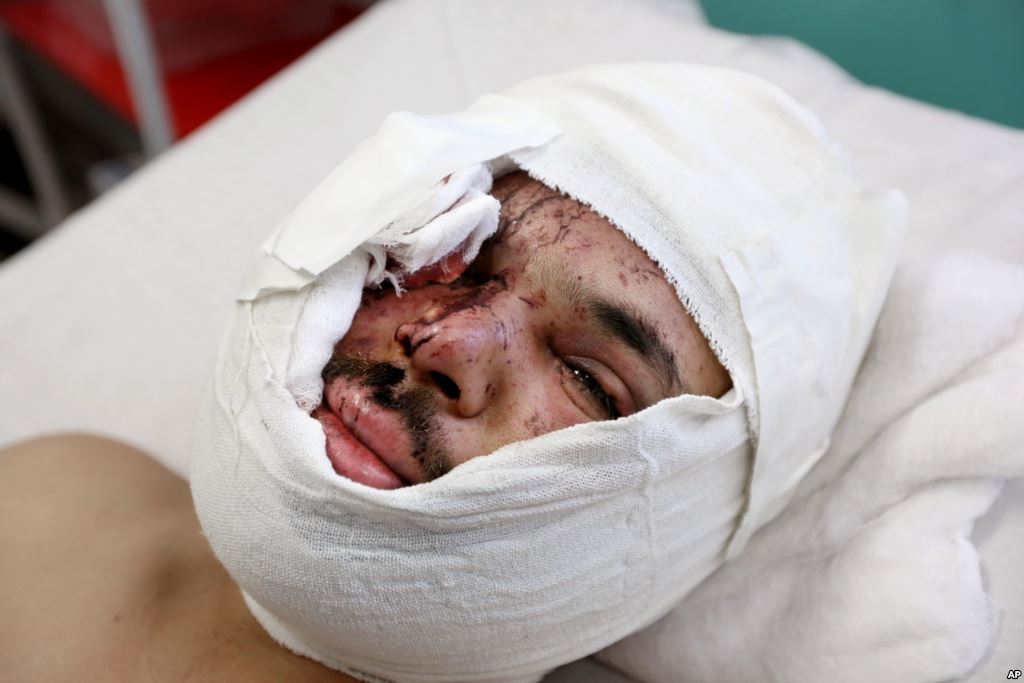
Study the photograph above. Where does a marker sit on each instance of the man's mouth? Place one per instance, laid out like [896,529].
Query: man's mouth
[365,442]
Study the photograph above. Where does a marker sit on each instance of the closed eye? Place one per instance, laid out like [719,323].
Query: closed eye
[593,390]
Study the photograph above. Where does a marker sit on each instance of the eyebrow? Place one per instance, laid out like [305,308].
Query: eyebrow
[625,323]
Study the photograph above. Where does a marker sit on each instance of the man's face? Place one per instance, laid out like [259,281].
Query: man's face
[561,319]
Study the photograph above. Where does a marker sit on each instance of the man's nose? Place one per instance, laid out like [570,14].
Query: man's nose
[461,352]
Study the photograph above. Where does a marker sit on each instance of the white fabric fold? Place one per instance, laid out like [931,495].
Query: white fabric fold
[755,217]
[410,155]
[870,574]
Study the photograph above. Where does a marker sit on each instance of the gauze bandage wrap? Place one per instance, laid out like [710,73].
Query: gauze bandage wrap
[552,548]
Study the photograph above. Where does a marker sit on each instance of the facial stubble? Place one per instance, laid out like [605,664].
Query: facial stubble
[416,404]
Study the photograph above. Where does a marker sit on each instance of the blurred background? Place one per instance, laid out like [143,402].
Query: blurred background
[91,89]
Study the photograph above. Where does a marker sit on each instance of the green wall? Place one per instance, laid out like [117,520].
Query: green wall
[960,54]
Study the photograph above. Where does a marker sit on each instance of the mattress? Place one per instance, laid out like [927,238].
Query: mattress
[110,323]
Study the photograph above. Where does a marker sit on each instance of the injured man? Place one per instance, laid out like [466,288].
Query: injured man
[472,357]
[502,391]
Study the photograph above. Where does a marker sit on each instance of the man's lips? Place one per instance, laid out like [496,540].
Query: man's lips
[350,458]
[365,442]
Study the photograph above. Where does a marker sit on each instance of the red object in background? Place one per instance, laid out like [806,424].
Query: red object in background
[211,53]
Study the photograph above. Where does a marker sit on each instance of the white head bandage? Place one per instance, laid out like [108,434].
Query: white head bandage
[552,548]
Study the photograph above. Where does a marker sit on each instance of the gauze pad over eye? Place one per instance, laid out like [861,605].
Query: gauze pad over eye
[548,549]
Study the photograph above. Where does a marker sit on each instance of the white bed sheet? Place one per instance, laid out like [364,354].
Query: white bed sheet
[110,323]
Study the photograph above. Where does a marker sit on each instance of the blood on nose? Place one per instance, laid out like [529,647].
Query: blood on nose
[445,271]
[438,315]
[449,345]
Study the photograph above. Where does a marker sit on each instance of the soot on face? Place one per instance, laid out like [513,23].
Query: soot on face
[496,349]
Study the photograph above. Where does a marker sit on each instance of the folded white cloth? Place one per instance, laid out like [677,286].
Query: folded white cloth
[777,251]
[551,548]
[869,574]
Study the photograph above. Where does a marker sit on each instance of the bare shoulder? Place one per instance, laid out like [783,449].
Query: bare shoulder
[105,575]
[73,490]
[82,519]
[86,469]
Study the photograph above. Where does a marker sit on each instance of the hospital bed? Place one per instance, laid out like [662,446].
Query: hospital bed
[110,323]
